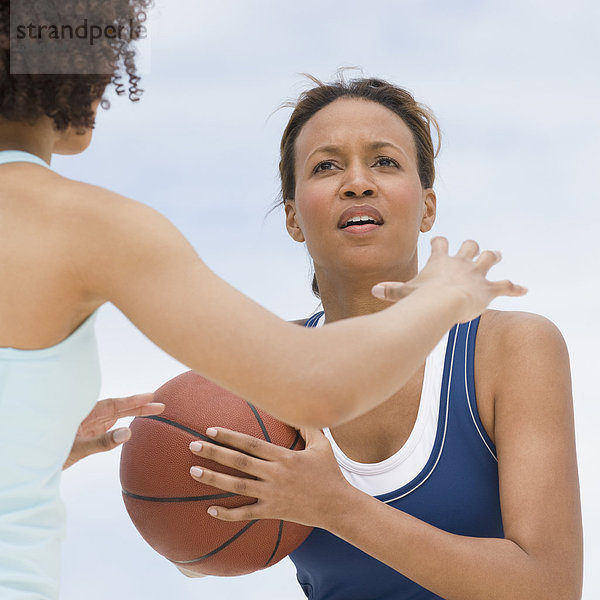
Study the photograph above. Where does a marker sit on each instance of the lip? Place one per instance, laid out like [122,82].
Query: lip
[357,211]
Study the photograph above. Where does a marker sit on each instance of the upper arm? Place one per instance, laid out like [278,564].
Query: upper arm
[535,441]
[130,255]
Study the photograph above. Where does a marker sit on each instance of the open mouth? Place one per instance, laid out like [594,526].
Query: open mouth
[360,222]
[360,219]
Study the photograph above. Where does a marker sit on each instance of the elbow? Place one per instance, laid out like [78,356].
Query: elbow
[559,586]
[570,593]
[549,590]
[571,590]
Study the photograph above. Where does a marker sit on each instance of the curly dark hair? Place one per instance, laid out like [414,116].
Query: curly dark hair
[67,93]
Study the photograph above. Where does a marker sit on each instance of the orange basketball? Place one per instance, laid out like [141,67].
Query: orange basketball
[168,507]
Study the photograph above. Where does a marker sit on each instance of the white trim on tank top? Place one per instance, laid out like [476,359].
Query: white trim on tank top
[405,464]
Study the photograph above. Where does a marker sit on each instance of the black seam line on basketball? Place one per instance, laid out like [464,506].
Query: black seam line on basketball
[260,422]
[296,440]
[221,547]
[276,544]
[182,499]
[184,428]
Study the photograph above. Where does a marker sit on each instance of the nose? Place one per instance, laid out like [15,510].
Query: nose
[358,183]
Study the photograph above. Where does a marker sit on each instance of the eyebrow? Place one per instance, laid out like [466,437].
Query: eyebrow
[372,146]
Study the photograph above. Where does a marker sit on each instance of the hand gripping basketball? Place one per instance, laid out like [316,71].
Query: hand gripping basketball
[169,508]
[293,486]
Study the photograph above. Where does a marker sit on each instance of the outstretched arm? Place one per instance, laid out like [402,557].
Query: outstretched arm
[132,256]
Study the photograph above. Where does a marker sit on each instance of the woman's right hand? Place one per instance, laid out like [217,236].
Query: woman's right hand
[463,274]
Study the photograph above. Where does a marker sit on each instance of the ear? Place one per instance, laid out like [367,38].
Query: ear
[429,212]
[291,223]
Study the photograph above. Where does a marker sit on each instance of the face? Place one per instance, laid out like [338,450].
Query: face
[356,158]
[72,142]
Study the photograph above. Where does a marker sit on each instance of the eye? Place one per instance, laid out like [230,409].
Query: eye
[326,165]
[390,162]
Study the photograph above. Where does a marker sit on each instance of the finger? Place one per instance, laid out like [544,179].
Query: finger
[189,572]
[114,408]
[312,436]
[242,486]
[487,259]
[229,458]
[94,428]
[391,290]
[439,245]
[105,418]
[468,249]
[249,512]
[102,443]
[508,288]
[121,435]
[246,443]
[152,408]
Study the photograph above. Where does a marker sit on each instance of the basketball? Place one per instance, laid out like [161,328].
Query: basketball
[168,507]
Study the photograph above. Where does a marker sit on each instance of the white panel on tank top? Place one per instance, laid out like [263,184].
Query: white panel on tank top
[403,466]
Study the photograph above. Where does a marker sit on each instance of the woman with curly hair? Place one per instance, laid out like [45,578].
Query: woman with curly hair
[68,247]
[463,484]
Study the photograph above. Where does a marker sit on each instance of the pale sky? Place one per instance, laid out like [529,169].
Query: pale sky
[515,87]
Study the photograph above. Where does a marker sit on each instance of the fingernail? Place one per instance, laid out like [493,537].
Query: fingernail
[212,511]
[196,446]
[121,435]
[196,471]
[378,291]
[211,432]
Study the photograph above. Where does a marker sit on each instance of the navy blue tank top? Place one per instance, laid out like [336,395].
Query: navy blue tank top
[457,491]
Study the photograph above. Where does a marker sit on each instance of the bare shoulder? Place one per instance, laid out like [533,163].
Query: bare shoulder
[96,205]
[109,236]
[515,351]
[512,334]
[104,221]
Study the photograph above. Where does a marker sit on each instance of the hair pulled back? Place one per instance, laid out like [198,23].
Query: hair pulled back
[417,117]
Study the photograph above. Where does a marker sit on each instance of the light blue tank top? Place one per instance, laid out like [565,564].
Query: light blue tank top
[44,396]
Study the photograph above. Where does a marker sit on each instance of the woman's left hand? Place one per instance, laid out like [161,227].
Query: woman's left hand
[303,486]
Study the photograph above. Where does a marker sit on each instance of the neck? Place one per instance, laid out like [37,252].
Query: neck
[346,296]
[37,138]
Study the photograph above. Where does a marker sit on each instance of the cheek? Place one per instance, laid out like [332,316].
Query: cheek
[407,196]
[312,208]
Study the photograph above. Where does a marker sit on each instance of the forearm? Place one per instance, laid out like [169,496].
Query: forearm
[330,375]
[454,567]
[305,377]
[368,359]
